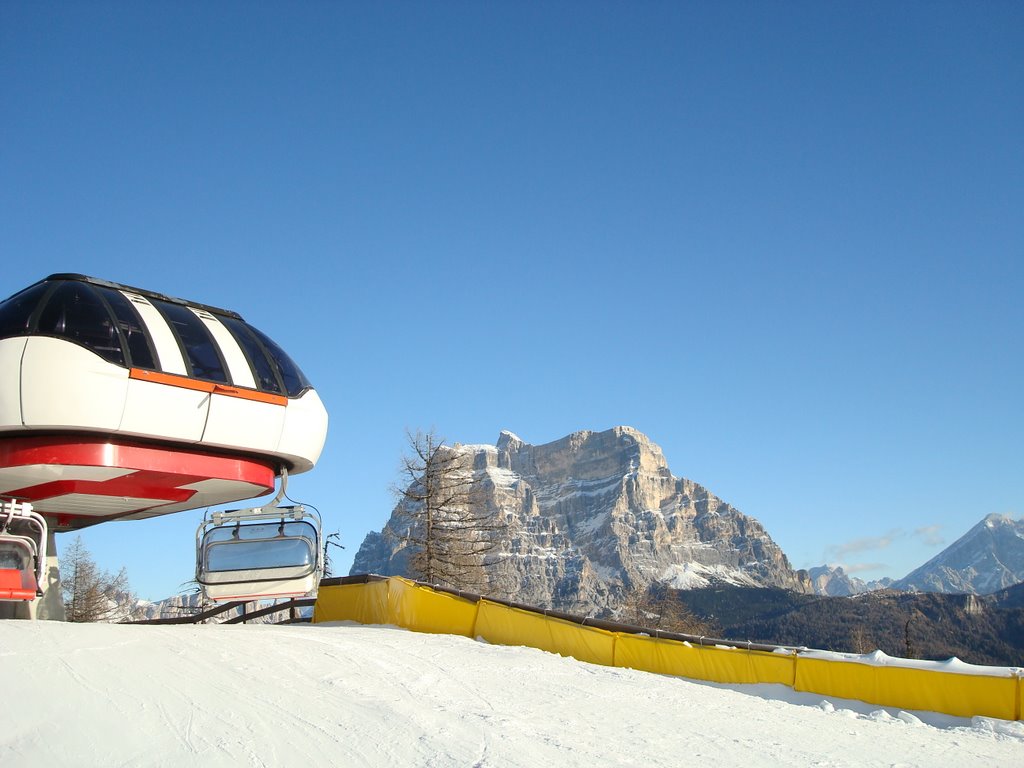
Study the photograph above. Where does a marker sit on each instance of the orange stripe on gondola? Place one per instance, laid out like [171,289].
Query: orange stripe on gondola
[170,379]
[250,394]
[184,382]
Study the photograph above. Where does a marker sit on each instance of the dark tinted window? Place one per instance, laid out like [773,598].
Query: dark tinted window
[263,369]
[255,555]
[74,312]
[263,545]
[131,329]
[198,343]
[16,312]
[294,380]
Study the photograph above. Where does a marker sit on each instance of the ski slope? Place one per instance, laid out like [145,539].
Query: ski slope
[349,695]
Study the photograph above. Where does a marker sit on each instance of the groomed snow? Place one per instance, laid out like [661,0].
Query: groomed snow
[347,695]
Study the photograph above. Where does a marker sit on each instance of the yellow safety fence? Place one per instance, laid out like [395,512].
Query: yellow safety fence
[995,692]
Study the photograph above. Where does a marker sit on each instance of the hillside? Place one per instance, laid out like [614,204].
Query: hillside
[979,630]
[377,696]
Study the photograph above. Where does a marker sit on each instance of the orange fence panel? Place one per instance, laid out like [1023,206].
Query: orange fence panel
[504,625]
[910,688]
[365,603]
[717,664]
[989,691]
[424,610]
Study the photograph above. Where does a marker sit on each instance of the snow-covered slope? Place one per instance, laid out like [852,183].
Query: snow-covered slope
[987,558]
[343,695]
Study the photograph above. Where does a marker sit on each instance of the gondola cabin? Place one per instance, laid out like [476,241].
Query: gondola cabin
[123,403]
[261,552]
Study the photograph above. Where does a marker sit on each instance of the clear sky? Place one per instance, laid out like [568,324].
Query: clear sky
[784,240]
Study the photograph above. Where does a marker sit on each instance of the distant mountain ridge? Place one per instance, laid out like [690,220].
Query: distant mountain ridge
[986,559]
[836,582]
[192,603]
[596,514]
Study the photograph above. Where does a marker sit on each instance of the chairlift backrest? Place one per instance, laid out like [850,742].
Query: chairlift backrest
[17,570]
[259,553]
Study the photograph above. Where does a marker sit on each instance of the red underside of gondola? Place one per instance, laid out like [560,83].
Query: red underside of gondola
[77,481]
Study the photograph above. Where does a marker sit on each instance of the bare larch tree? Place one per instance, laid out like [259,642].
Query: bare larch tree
[91,594]
[442,519]
[657,606]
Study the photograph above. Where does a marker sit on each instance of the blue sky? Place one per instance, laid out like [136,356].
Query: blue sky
[784,240]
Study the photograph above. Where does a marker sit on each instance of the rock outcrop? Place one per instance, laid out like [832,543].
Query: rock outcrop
[595,515]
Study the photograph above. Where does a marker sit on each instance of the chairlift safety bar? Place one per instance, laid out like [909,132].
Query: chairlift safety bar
[254,514]
[297,512]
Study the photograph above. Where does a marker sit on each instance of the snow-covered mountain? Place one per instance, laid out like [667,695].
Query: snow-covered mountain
[989,557]
[836,582]
[597,514]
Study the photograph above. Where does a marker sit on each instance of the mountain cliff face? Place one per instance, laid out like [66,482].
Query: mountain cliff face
[596,514]
[986,559]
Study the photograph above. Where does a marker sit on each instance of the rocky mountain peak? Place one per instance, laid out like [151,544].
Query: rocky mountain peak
[583,456]
[594,515]
[836,582]
[986,559]
[509,442]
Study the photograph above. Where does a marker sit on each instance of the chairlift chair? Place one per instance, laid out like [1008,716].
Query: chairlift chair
[22,551]
[259,553]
